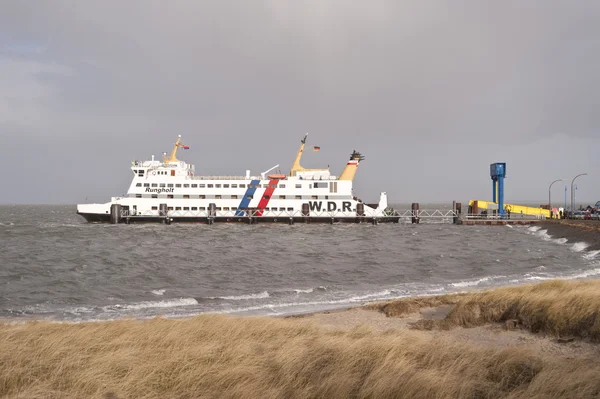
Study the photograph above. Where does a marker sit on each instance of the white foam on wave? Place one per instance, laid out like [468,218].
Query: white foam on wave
[171,303]
[591,255]
[307,291]
[158,292]
[370,296]
[533,229]
[543,234]
[579,246]
[260,295]
[470,283]
[561,240]
[277,308]
[585,274]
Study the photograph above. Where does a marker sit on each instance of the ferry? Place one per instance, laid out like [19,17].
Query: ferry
[169,191]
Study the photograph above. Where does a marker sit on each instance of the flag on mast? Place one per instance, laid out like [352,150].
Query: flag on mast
[316,148]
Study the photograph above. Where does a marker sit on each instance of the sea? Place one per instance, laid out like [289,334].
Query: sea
[56,266]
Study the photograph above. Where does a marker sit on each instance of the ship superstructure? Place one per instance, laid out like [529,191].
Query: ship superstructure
[170,191]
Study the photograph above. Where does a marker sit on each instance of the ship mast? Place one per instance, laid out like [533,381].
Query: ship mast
[296,167]
[173,156]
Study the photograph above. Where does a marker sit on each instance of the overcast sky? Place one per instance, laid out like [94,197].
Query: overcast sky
[431,92]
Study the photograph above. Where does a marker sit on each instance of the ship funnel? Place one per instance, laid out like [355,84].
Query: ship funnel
[352,166]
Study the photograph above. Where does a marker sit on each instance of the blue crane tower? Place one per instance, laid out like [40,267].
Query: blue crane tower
[498,173]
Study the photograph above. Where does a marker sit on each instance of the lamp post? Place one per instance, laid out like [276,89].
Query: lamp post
[550,197]
[572,196]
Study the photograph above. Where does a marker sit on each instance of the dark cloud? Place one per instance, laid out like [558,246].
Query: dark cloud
[431,92]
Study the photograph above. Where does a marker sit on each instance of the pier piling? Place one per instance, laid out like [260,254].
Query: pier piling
[415,213]
[115,213]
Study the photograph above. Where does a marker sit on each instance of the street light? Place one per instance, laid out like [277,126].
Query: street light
[572,199]
[549,196]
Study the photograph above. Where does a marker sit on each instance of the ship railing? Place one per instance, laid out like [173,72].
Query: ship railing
[506,216]
[426,213]
[225,178]
[248,213]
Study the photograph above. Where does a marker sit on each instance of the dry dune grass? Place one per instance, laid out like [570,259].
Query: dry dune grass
[558,308]
[227,357]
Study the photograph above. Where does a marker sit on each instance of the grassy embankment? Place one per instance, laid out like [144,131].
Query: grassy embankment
[219,356]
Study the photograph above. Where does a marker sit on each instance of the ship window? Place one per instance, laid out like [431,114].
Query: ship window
[194,208]
[217,197]
[170,185]
[186,208]
[249,185]
[170,196]
[138,196]
[202,208]
[141,174]
[194,186]
[172,173]
[154,185]
[155,208]
[225,208]
[209,185]
[178,185]
[282,209]
[266,197]
[225,185]
[219,208]
[315,197]
[170,208]
[290,209]
[244,186]
[274,186]
[234,186]
[233,208]
[139,185]
[186,197]
[327,197]
[154,195]
[298,197]
[178,208]
[186,186]
[250,197]
[202,185]
[135,171]
[202,196]
[162,184]
[298,185]
[217,186]
[146,184]
[282,197]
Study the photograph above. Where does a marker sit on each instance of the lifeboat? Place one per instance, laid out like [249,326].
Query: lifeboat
[276,177]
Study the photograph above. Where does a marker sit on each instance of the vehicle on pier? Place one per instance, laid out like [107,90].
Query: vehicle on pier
[170,191]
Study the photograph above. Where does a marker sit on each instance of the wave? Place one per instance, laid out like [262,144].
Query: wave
[533,229]
[172,303]
[307,291]
[261,295]
[158,292]
[591,255]
[470,283]
[579,246]
[585,274]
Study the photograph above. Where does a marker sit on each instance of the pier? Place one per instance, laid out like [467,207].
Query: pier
[415,215]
